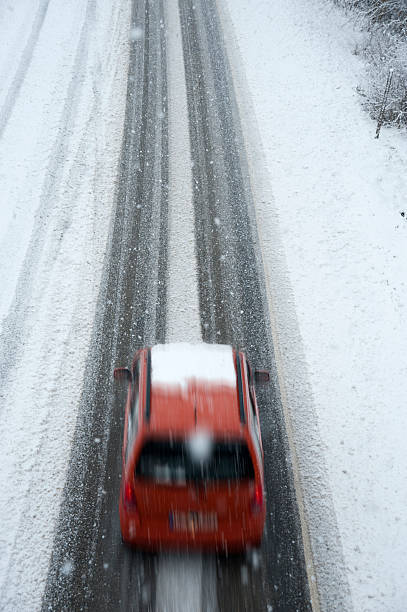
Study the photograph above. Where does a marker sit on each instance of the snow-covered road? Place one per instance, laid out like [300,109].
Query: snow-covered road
[236,194]
[203,276]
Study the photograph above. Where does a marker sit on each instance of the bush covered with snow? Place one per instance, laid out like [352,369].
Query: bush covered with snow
[385,49]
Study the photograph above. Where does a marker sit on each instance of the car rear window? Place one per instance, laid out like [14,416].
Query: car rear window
[170,461]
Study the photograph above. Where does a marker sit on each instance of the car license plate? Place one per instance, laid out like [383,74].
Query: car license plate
[193,521]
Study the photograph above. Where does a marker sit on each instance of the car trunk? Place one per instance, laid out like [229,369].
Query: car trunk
[175,490]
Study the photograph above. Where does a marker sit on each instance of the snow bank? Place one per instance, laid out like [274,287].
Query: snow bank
[335,208]
[62,107]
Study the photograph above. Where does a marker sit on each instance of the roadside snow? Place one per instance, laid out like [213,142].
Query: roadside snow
[61,115]
[333,222]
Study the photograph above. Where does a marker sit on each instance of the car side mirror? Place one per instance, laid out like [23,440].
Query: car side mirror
[262,376]
[121,374]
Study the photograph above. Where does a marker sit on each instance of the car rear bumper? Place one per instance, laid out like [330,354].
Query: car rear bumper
[154,535]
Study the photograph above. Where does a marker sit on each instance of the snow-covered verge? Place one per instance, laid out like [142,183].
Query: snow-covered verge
[334,237]
[63,82]
[384,48]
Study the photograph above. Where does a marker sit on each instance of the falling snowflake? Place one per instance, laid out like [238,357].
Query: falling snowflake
[200,445]
[136,34]
[67,567]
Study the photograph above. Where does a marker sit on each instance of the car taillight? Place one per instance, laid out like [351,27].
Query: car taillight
[257,499]
[129,496]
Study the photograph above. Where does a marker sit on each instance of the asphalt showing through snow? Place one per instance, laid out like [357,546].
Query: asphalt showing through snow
[90,568]
[233,304]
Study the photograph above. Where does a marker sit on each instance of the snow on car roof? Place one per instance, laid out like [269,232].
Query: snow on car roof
[176,364]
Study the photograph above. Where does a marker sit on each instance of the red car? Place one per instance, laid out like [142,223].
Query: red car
[192,452]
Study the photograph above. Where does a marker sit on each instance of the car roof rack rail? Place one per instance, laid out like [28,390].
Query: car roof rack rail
[148,387]
[240,388]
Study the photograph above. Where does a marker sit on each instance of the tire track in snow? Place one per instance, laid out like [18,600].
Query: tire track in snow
[47,229]
[24,64]
[33,285]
